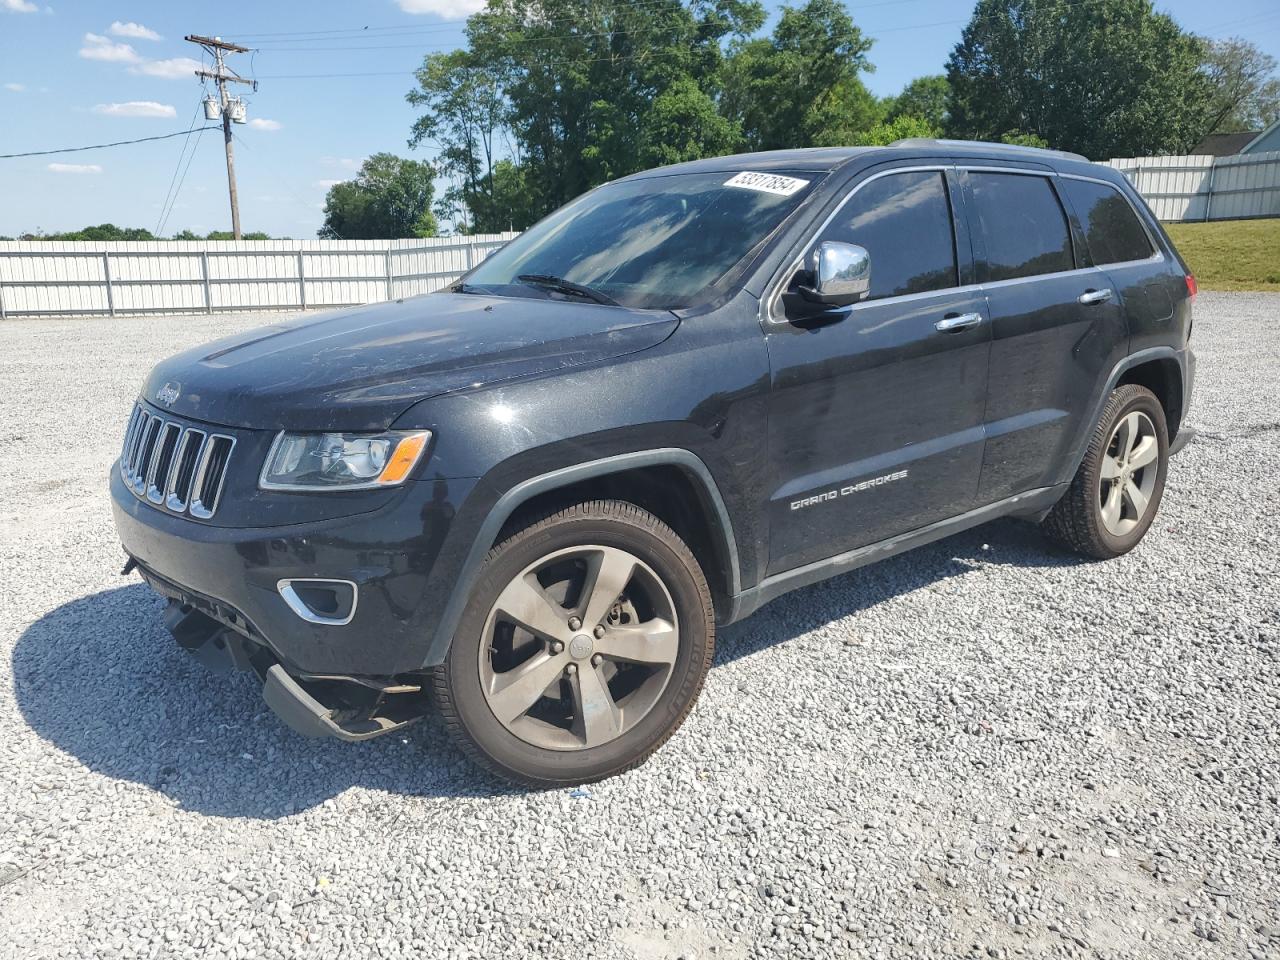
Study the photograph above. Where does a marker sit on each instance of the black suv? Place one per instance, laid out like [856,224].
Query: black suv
[533,496]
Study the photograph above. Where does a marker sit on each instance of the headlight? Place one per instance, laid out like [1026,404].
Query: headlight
[342,461]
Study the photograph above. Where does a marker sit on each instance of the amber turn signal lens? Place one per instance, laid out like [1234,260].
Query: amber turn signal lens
[408,452]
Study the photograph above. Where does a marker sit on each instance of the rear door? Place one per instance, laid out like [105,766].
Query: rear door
[875,424]
[1145,283]
[1057,327]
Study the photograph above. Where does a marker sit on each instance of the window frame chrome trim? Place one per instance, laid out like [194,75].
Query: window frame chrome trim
[768,304]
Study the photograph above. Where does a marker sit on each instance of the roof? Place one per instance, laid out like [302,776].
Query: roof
[1256,142]
[826,159]
[1223,144]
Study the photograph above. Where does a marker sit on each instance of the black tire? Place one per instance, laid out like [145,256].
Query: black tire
[1076,520]
[458,684]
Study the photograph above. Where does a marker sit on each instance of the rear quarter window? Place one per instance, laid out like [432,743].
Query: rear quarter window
[1112,230]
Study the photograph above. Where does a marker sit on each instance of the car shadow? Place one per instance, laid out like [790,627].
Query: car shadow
[101,679]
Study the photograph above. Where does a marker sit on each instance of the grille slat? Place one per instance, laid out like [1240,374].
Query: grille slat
[175,466]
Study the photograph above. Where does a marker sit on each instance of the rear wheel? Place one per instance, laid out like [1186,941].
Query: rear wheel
[583,647]
[1115,493]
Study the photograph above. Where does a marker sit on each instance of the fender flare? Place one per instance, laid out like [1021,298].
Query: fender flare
[522,492]
[1122,366]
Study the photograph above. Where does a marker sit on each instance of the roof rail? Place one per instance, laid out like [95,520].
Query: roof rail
[1016,148]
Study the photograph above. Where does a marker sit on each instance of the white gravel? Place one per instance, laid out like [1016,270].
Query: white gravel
[983,748]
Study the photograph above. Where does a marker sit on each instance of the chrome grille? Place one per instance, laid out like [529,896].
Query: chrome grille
[175,466]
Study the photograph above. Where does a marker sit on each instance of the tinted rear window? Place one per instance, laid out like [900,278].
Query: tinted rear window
[1111,228]
[904,222]
[1021,225]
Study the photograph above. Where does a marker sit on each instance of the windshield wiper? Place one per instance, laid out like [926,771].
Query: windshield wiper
[568,287]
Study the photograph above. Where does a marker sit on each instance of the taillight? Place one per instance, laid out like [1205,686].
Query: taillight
[1192,287]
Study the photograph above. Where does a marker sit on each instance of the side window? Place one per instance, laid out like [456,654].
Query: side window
[904,221]
[1111,228]
[1021,225]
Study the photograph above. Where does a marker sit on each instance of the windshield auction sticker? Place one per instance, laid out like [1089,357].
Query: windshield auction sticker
[766,183]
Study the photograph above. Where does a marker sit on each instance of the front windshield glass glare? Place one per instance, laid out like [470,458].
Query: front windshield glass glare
[660,242]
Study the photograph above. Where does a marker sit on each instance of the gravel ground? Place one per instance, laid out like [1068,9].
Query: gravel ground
[984,748]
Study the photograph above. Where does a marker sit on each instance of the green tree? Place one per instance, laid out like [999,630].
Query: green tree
[228,235]
[801,86]
[1107,78]
[923,97]
[590,85]
[1244,87]
[102,232]
[902,128]
[389,199]
[464,112]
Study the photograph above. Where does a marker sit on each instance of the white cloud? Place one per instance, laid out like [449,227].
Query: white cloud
[450,9]
[326,184]
[136,108]
[75,168]
[346,163]
[135,30]
[173,69]
[18,6]
[260,123]
[100,48]
[15,87]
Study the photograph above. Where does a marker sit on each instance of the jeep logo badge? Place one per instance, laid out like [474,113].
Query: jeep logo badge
[168,393]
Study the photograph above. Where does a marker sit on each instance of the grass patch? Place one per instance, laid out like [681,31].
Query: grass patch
[1231,254]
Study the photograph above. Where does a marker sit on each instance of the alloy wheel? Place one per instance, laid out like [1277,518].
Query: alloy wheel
[1129,471]
[578,648]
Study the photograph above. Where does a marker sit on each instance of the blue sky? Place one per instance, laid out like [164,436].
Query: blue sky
[74,73]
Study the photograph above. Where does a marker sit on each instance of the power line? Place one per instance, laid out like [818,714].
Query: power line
[164,206]
[96,146]
[181,180]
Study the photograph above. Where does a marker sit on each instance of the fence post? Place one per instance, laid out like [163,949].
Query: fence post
[106,272]
[302,283]
[1208,200]
[204,274]
[471,253]
[390,277]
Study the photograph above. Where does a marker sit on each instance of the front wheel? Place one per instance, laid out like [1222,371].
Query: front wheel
[583,647]
[1115,493]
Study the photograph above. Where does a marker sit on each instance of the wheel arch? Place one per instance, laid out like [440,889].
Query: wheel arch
[1163,377]
[661,481]
[1162,365]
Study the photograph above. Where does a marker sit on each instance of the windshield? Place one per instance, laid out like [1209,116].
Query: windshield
[660,242]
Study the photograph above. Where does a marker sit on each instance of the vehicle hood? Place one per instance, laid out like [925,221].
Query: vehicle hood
[359,369]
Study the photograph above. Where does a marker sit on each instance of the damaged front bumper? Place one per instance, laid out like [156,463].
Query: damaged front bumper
[348,708]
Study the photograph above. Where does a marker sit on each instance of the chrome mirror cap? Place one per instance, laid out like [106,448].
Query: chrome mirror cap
[842,273]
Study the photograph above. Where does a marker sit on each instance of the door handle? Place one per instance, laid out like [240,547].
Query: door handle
[957,321]
[1090,297]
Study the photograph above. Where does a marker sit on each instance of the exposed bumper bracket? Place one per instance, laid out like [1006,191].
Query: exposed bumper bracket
[309,717]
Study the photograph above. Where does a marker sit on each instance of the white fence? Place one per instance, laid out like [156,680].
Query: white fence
[1207,188]
[169,276]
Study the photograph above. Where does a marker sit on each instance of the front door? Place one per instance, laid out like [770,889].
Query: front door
[875,424]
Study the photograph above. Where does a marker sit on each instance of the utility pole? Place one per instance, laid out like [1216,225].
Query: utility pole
[218,49]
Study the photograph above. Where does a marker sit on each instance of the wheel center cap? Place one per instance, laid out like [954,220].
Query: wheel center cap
[581,647]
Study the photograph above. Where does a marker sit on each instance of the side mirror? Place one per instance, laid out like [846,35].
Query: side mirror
[842,274]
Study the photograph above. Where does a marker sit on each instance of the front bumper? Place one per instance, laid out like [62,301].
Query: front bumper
[232,575]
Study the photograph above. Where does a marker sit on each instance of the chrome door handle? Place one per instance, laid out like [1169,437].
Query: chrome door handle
[1090,297]
[961,321]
